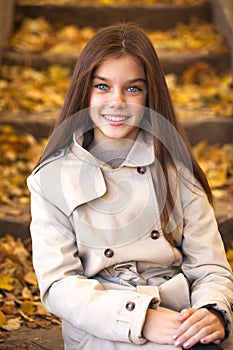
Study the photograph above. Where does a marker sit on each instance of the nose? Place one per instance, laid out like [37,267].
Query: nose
[117,99]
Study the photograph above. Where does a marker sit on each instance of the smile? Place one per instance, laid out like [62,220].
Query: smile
[115,118]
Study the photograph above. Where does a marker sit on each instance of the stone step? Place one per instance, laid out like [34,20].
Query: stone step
[214,131]
[172,62]
[150,17]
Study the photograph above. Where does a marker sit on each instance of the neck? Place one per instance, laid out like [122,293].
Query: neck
[111,144]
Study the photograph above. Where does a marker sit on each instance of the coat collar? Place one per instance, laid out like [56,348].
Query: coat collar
[68,183]
[140,154]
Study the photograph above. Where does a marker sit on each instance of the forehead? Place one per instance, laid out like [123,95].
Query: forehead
[122,66]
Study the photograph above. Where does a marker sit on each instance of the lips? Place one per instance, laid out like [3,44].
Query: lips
[116,119]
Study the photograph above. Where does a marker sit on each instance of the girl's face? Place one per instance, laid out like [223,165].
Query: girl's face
[117,99]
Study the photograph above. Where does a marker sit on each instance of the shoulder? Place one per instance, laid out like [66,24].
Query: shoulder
[44,176]
[52,159]
[66,180]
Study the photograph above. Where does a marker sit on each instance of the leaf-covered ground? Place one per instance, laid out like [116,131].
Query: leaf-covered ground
[18,156]
[217,163]
[27,89]
[38,35]
[19,295]
[203,91]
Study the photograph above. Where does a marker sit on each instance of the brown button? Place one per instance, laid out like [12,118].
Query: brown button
[155,234]
[108,253]
[141,170]
[130,306]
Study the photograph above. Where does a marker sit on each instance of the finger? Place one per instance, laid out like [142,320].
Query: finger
[194,319]
[190,338]
[198,333]
[185,313]
[188,341]
[214,337]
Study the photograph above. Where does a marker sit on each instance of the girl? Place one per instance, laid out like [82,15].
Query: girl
[125,244]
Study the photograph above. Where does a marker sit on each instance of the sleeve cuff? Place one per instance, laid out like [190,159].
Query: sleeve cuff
[149,297]
[132,317]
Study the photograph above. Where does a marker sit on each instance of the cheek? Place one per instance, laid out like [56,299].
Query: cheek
[138,107]
[95,107]
[96,100]
[92,99]
[138,101]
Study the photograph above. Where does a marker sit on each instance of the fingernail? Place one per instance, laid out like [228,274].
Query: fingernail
[174,337]
[203,341]
[186,345]
[177,343]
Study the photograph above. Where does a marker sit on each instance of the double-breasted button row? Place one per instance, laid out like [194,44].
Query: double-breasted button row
[109,252]
[130,306]
[154,234]
[141,170]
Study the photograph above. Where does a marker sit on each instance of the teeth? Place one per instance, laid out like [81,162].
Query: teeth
[114,118]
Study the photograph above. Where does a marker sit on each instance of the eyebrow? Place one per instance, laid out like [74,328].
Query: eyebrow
[128,81]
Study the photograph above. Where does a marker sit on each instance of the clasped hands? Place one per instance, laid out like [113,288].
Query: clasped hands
[184,329]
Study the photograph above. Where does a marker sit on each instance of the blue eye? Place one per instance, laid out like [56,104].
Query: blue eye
[134,89]
[102,86]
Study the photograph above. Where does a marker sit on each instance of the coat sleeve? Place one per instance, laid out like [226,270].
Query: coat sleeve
[205,263]
[116,315]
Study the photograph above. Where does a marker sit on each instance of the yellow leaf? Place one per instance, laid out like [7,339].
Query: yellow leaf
[21,252]
[2,319]
[26,293]
[6,282]
[30,278]
[41,310]
[217,177]
[12,324]
[27,306]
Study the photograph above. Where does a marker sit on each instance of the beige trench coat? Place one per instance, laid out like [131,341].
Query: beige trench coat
[101,257]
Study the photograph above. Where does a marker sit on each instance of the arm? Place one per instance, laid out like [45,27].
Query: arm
[116,315]
[208,271]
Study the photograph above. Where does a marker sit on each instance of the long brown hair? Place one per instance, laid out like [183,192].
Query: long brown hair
[116,40]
